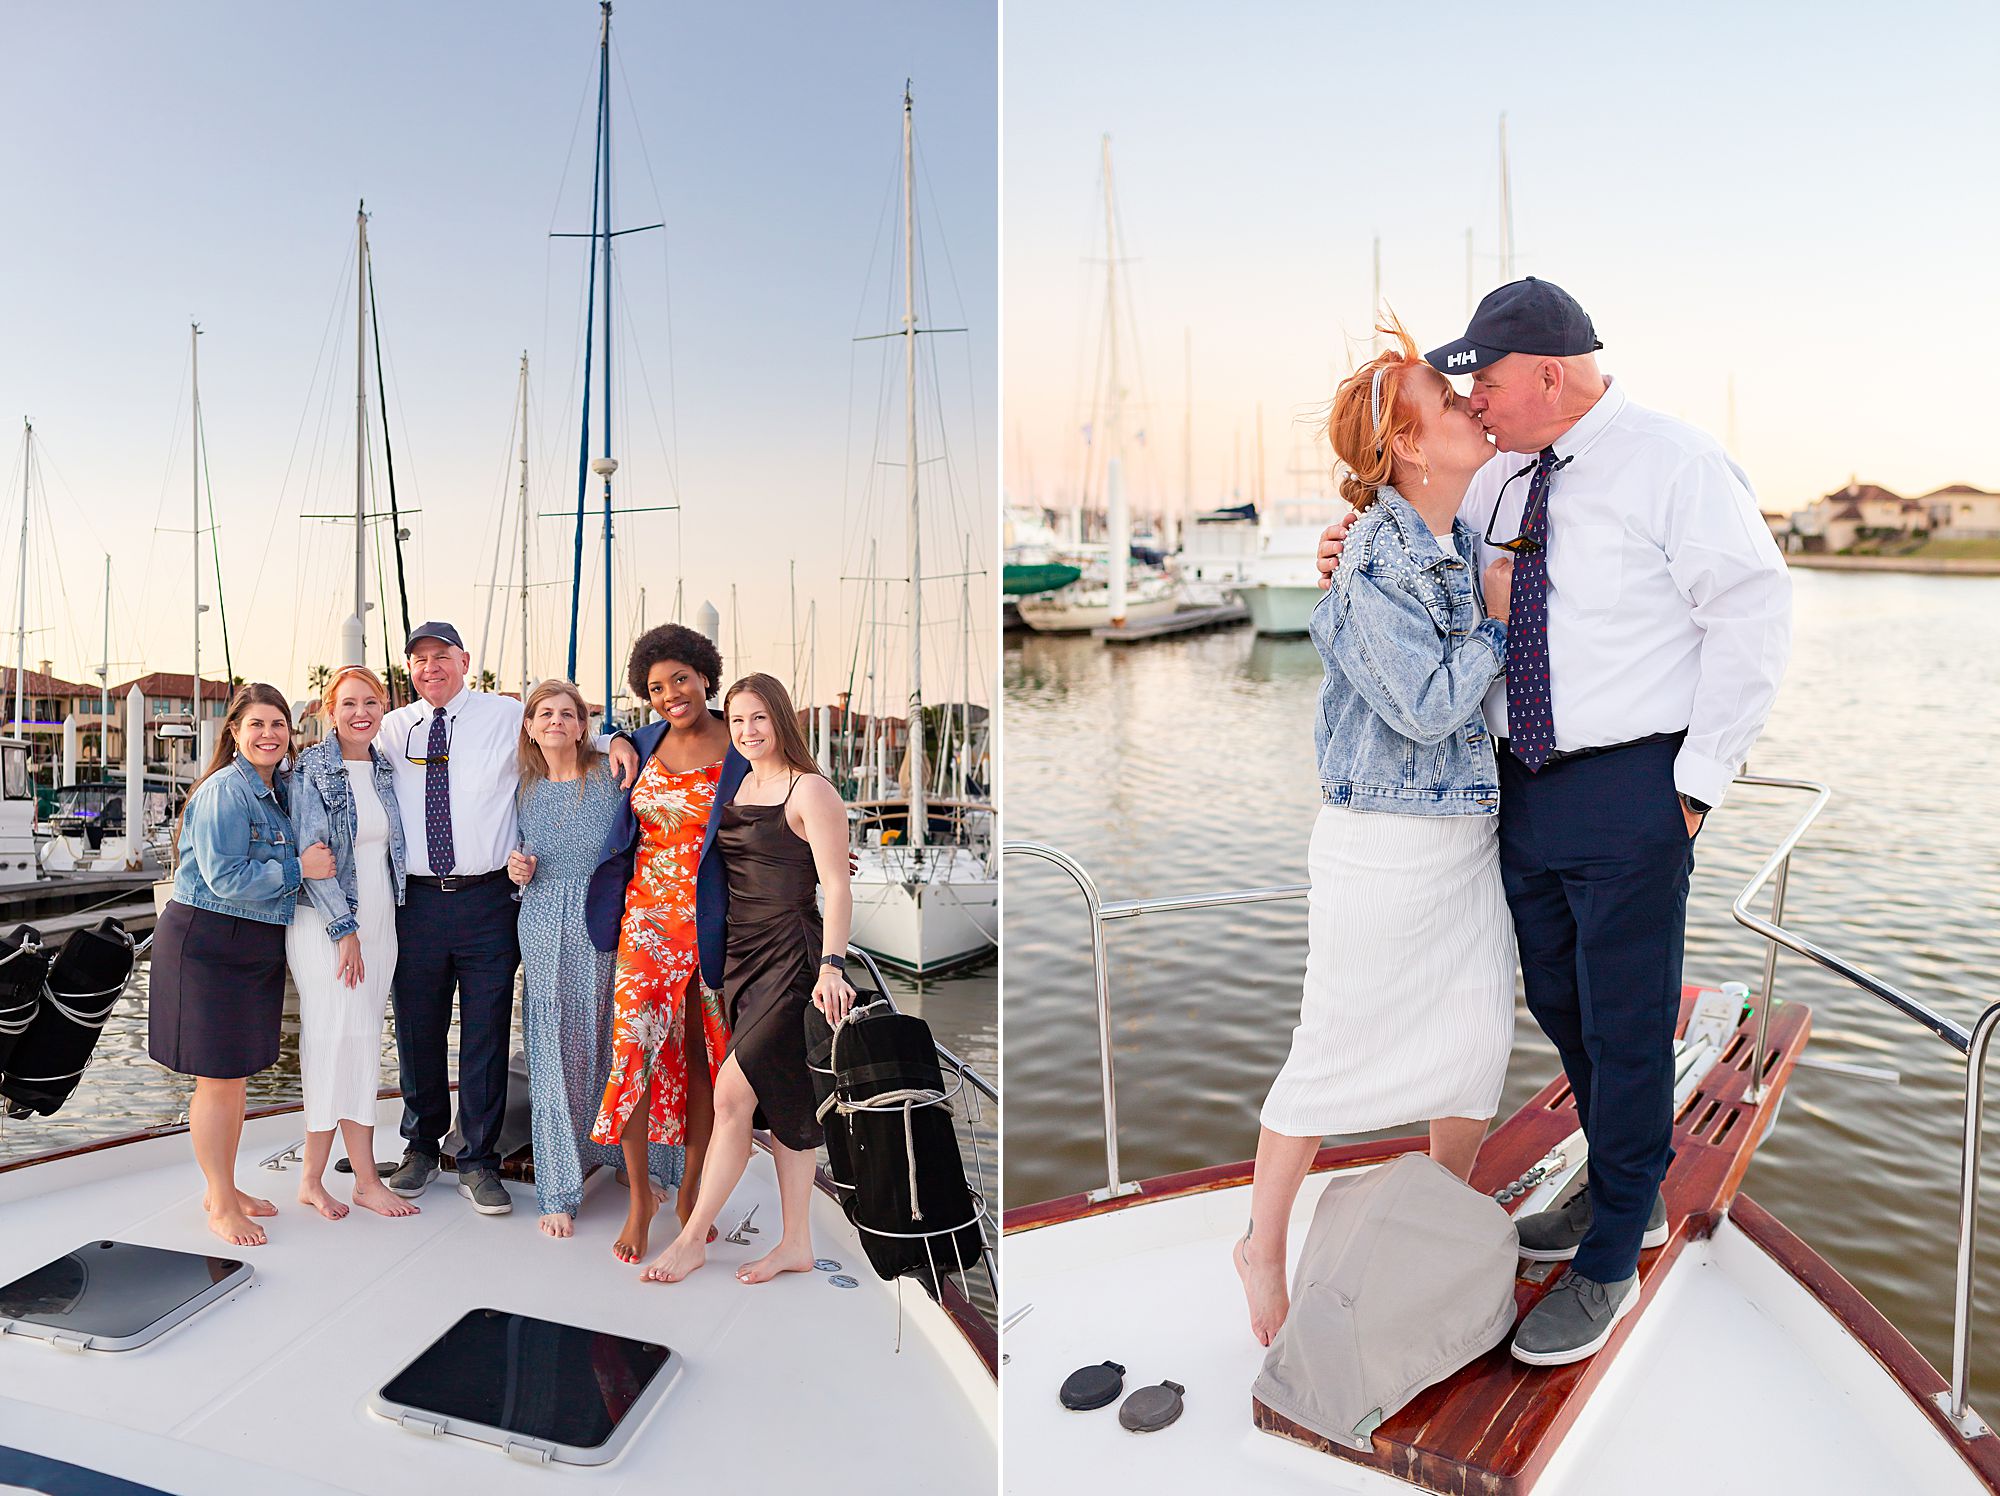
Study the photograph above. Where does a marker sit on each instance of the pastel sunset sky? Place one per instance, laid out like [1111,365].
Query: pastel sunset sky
[203,161]
[1798,200]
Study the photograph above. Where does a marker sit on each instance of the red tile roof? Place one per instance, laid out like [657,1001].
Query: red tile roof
[162,683]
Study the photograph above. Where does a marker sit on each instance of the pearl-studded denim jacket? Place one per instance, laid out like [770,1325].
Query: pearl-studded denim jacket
[1409,656]
[323,809]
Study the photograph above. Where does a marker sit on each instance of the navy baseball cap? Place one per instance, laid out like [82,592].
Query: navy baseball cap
[434,630]
[1523,316]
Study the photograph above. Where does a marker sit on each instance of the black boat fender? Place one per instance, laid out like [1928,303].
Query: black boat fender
[24,967]
[85,980]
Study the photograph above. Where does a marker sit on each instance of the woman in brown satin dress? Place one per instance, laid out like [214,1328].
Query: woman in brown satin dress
[783,835]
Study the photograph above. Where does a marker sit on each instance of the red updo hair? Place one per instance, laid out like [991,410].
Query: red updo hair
[1360,442]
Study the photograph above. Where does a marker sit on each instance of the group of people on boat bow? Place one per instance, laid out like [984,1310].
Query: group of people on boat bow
[1535,694]
[655,891]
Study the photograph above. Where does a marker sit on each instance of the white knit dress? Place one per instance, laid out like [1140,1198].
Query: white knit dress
[1408,1011]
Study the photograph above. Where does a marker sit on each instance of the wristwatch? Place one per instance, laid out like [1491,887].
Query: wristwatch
[1695,807]
[838,963]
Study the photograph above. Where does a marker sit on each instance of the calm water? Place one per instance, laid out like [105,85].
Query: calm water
[1187,765]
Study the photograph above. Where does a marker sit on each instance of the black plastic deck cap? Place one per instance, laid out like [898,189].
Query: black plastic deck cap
[1152,1408]
[1092,1386]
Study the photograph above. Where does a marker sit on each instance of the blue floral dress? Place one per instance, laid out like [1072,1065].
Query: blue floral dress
[566,1002]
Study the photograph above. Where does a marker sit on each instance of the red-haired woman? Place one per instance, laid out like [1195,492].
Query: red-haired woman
[1408,1006]
[783,836]
[218,963]
[342,944]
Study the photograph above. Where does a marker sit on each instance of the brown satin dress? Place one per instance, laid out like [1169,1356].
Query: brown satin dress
[771,965]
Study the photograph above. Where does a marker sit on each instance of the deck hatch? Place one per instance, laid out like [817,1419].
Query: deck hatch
[534,1389]
[115,1295]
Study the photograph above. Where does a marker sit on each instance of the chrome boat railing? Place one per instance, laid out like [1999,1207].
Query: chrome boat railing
[1975,1044]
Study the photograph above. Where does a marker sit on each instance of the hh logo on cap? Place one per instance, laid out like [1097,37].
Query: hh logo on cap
[1470,356]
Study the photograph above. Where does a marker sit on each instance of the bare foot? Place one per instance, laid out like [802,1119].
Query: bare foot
[674,1264]
[631,1243]
[249,1205]
[780,1259]
[1264,1288]
[379,1198]
[558,1223]
[313,1192]
[237,1229]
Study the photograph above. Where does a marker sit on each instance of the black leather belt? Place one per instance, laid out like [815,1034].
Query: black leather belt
[458,882]
[1563,756]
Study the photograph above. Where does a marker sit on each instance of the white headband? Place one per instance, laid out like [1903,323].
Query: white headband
[1375,405]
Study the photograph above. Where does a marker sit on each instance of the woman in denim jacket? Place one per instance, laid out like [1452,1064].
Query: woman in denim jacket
[342,945]
[218,965]
[1408,1007]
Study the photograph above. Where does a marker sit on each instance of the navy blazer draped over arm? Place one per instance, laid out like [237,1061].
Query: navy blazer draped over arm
[604,903]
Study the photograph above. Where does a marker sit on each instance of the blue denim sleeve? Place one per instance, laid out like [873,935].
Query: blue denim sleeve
[312,822]
[219,822]
[1386,645]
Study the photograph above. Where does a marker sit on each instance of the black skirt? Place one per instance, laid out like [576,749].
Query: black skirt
[216,993]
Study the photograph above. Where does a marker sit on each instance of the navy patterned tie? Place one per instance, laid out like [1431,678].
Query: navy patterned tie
[437,799]
[1531,722]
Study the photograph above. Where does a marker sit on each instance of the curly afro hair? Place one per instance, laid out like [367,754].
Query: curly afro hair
[673,641]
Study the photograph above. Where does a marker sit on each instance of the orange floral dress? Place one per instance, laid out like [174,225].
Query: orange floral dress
[657,959]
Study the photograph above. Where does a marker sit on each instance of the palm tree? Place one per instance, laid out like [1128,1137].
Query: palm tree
[486,680]
[318,676]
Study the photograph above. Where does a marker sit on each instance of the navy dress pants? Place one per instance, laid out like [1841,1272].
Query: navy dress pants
[1595,857]
[468,941]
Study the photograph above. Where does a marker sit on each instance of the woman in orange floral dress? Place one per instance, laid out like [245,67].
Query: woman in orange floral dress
[654,865]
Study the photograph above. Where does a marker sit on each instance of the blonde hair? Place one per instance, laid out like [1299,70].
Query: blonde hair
[792,745]
[534,764]
[1361,438]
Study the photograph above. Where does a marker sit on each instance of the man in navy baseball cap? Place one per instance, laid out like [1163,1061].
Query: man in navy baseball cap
[1523,316]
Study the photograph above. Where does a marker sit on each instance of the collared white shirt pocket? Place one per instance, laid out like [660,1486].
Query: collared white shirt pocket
[1587,566]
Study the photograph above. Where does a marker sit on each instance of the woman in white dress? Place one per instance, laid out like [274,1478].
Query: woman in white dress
[1408,1008]
[342,945]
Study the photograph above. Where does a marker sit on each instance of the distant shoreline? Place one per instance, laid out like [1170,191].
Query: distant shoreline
[1937,566]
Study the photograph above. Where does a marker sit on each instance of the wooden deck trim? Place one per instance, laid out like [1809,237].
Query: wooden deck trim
[1198,1181]
[1919,1380]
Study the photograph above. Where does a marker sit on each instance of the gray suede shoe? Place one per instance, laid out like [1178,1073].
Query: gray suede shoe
[1573,1320]
[413,1175]
[1553,1235]
[487,1194]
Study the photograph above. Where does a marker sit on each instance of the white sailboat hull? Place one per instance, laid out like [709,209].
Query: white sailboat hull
[1074,611]
[269,1390]
[948,915]
[1279,608]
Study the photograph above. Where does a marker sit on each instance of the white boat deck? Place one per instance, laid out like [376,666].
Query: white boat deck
[1734,1379]
[269,1389]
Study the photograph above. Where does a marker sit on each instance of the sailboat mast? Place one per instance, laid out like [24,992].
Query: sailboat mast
[194,484]
[1506,209]
[606,466]
[919,817]
[524,524]
[1117,517]
[361,434]
[21,629]
[104,682]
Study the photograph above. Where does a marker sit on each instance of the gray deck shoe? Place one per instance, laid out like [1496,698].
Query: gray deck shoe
[1553,1235]
[488,1195]
[414,1174]
[1573,1320]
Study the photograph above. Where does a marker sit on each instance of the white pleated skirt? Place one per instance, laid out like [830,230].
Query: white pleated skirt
[1408,1010]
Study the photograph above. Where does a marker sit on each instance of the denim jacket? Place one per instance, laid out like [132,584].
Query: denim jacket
[238,854]
[323,811]
[1409,656]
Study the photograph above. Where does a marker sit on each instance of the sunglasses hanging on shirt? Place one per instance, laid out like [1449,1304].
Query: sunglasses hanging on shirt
[1521,545]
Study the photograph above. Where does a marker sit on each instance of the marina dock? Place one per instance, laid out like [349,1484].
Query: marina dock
[1185,621]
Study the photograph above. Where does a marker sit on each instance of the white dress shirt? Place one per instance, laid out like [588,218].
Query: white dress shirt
[483,729]
[1669,604]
